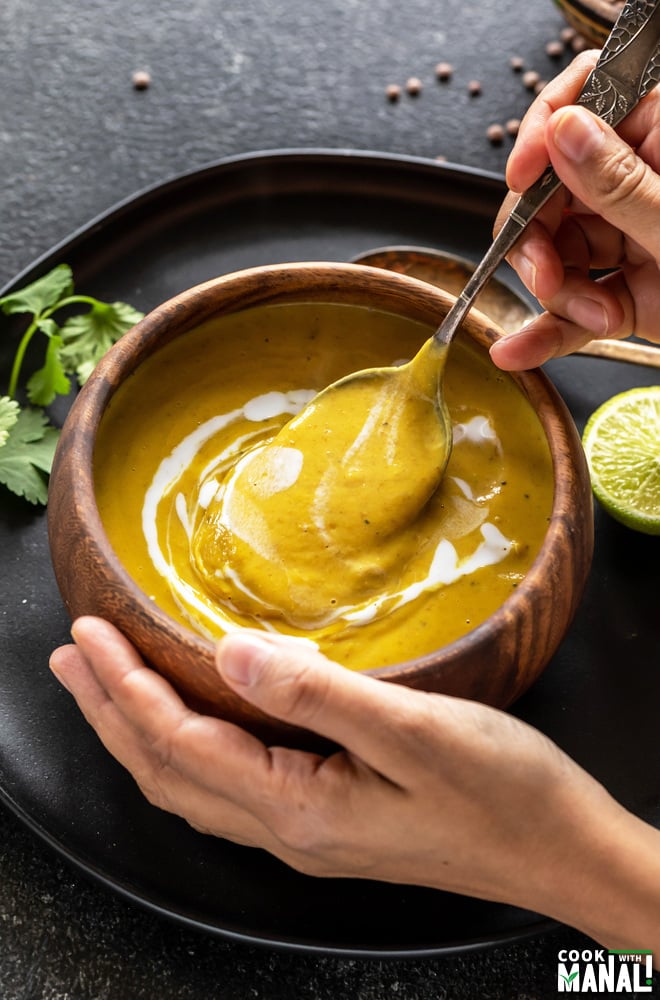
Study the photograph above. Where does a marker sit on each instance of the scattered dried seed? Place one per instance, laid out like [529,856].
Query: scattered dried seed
[554,48]
[567,34]
[517,63]
[440,158]
[513,126]
[414,86]
[531,78]
[444,71]
[393,92]
[495,134]
[539,86]
[579,44]
[474,88]
[141,79]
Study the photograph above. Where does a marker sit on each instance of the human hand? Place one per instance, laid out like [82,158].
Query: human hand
[429,790]
[607,216]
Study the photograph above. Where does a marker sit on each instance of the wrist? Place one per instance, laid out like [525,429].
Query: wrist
[607,880]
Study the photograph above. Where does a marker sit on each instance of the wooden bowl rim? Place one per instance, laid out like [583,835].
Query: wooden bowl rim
[199,303]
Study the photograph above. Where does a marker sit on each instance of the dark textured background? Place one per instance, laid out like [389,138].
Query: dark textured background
[228,76]
[232,76]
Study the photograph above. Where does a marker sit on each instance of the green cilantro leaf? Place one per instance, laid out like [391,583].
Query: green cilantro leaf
[41,294]
[27,455]
[48,326]
[87,337]
[51,380]
[27,440]
[8,417]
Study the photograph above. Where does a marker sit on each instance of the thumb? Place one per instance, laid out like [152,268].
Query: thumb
[289,679]
[606,174]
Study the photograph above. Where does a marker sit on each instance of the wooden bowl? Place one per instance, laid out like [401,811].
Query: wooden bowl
[593,19]
[494,663]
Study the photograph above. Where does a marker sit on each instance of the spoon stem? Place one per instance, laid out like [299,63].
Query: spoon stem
[521,214]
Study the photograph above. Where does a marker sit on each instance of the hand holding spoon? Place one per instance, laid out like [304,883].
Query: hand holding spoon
[628,68]
[506,307]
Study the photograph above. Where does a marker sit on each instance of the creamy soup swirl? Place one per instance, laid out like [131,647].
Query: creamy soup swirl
[220,557]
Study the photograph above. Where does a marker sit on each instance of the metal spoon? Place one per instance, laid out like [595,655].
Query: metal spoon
[506,307]
[627,69]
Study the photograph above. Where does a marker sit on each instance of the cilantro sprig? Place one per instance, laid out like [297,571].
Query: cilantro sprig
[27,438]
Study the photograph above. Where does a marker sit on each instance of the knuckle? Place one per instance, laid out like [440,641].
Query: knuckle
[623,177]
[167,746]
[302,693]
[585,61]
[156,779]
[152,791]
[413,717]
[305,806]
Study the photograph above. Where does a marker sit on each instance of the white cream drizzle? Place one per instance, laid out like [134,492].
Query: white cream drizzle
[445,567]
[476,430]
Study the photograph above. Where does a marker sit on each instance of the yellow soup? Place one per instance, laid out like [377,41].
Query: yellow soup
[206,501]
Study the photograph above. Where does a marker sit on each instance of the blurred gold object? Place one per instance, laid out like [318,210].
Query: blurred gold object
[593,19]
[504,306]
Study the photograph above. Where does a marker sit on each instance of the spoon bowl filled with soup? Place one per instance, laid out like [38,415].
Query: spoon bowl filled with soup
[205,483]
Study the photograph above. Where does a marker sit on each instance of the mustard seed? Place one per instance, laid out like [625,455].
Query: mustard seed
[513,126]
[414,86]
[393,92]
[530,79]
[495,134]
[474,88]
[141,79]
[444,71]
[554,49]
[579,44]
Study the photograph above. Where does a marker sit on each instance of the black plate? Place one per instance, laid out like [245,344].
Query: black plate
[598,699]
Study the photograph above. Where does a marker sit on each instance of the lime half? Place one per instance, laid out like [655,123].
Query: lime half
[622,445]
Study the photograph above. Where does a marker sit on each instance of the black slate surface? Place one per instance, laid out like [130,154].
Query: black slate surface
[76,137]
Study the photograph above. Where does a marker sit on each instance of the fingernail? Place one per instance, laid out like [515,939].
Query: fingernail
[577,134]
[589,314]
[241,657]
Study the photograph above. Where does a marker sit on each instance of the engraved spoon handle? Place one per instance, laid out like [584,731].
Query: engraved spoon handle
[627,69]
